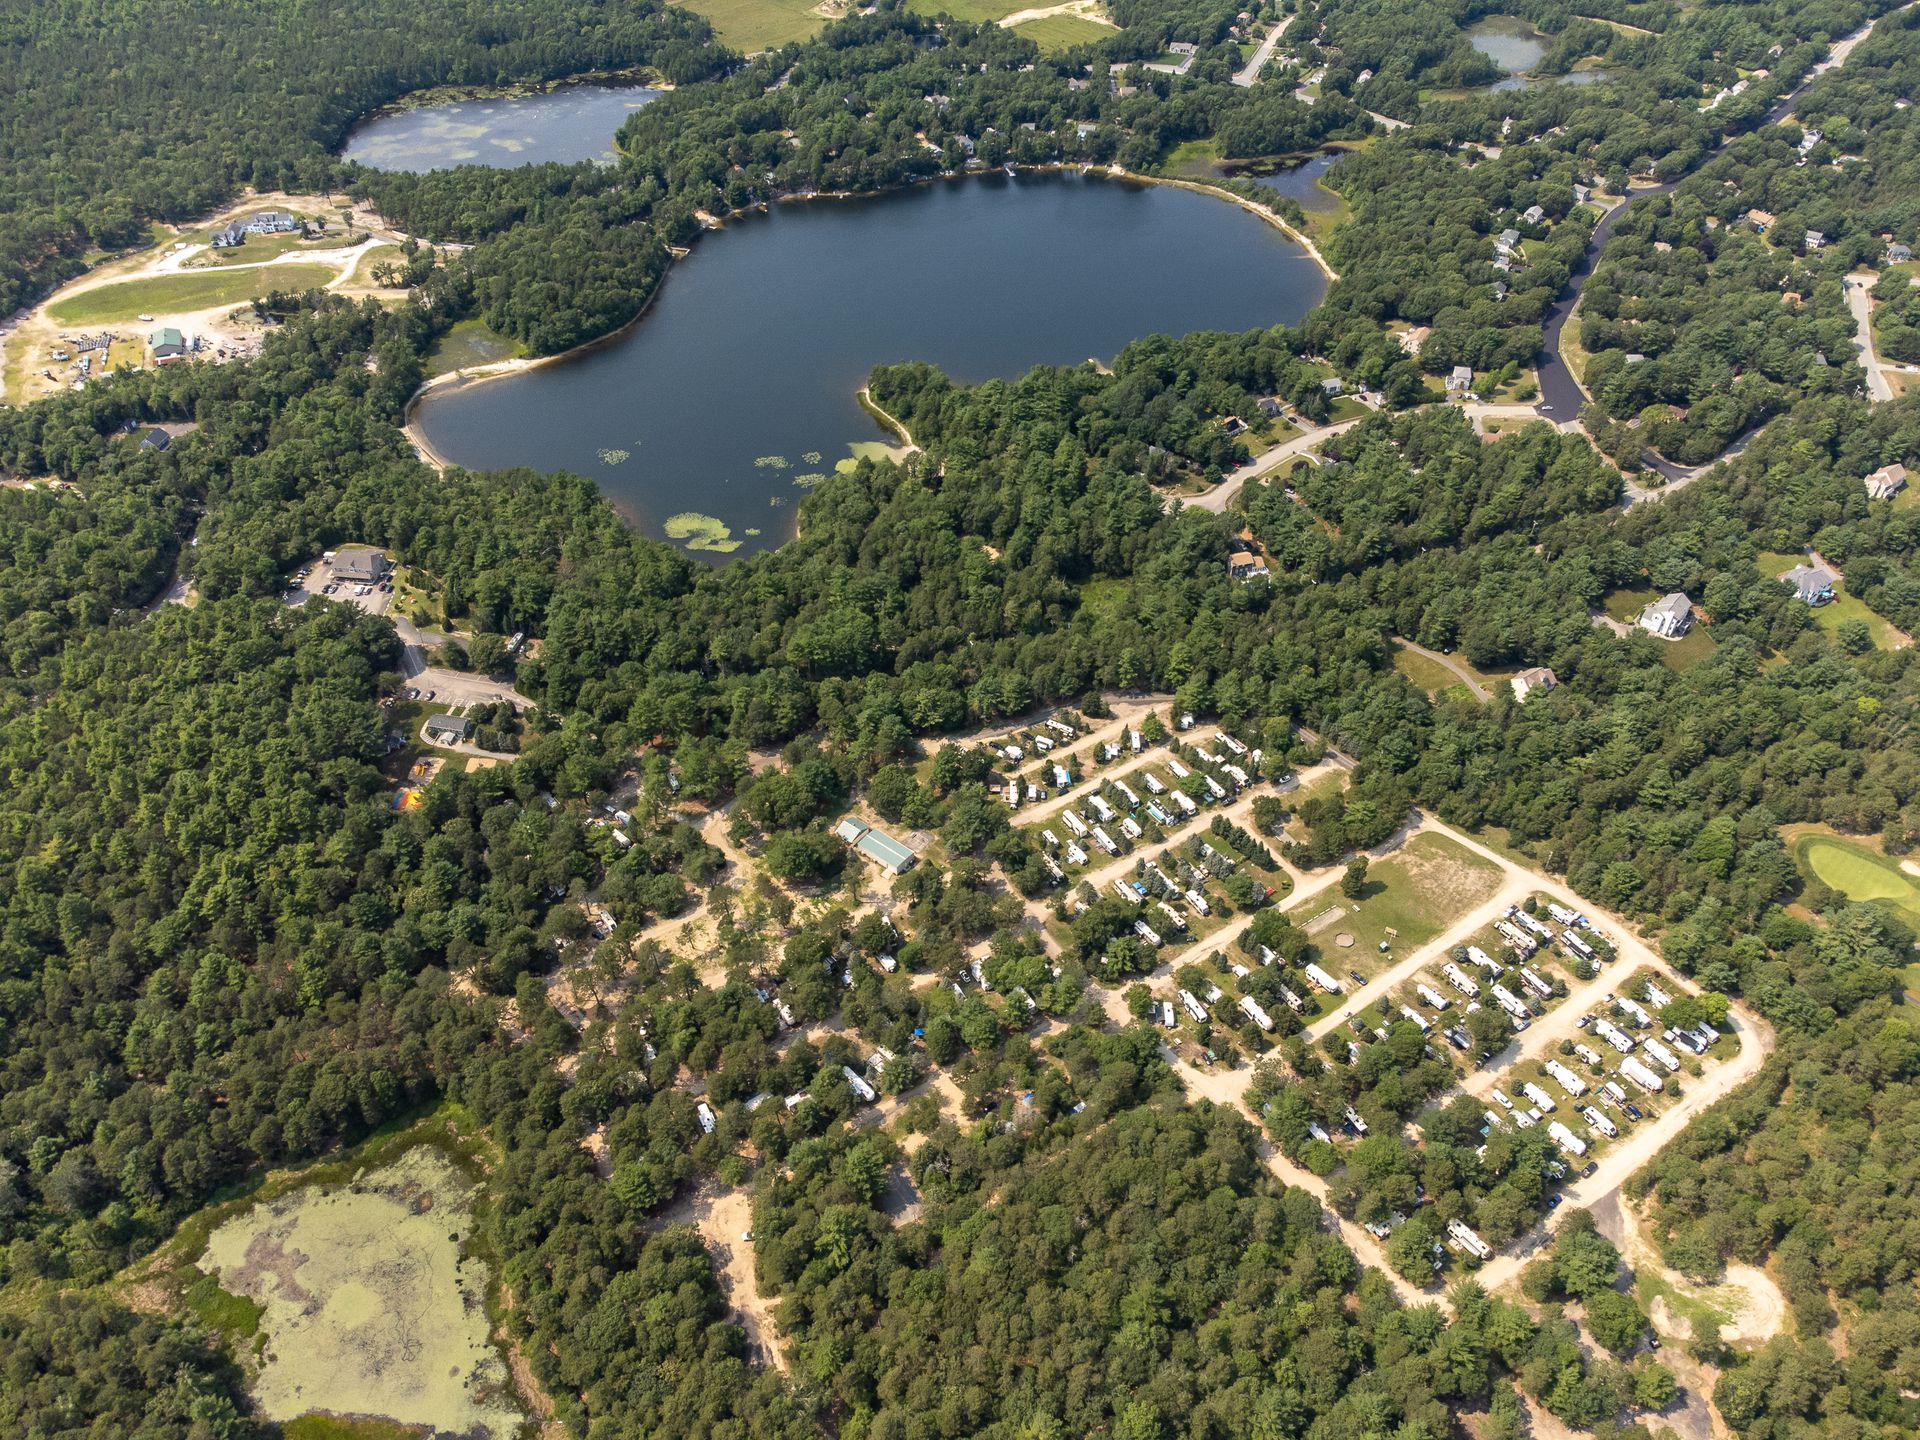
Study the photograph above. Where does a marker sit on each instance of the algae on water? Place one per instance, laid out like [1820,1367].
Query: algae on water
[367,1306]
[701,532]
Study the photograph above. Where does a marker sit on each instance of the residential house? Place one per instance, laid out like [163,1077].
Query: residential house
[1245,565]
[1533,214]
[1761,220]
[1581,193]
[1898,253]
[1269,407]
[1815,240]
[1812,584]
[1533,682]
[168,345]
[155,440]
[1333,385]
[1669,617]
[1886,482]
[1461,380]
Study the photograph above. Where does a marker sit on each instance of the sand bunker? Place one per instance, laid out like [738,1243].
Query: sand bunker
[370,1309]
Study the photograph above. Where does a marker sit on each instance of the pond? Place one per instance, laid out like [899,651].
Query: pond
[567,124]
[369,1306]
[739,389]
[1516,47]
[1297,179]
[1511,43]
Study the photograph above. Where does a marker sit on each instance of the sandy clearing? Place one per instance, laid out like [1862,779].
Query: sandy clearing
[1080,9]
[725,1221]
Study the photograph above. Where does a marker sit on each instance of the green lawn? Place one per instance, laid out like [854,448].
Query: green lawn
[172,294]
[1626,605]
[1859,873]
[269,247]
[470,342]
[1429,675]
[980,12]
[1063,32]
[1689,650]
[1417,892]
[754,25]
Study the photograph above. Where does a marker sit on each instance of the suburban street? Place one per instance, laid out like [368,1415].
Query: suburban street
[1250,72]
[1860,302]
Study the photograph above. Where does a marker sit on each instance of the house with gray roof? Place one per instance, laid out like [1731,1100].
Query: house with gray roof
[1886,482]
[1669,617]
[1812,584]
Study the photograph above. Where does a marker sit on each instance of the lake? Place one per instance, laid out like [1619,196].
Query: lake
[739,388]
[568,124]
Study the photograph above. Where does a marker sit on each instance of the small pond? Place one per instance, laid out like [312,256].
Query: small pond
[1516,47]
[709,419]
[567,124]
[370,1307]
[1511,43]
[1297,179]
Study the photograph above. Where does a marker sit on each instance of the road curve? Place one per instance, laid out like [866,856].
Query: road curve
[1559,391]
[1218,498]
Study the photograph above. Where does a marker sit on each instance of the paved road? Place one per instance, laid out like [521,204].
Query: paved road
[1218,498]
[1480,692]
[1860,302]
[1558,388]
[1251,72]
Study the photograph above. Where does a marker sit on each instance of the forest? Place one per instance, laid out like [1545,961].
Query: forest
[222,948]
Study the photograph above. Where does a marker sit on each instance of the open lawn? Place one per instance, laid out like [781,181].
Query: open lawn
[173,294]
[755,25]
[1626,605]
[1859,873]
[268,247]
[1063,32]
[1415,893]
[1689,650]
[980,12]
[470,342]
[1429,675]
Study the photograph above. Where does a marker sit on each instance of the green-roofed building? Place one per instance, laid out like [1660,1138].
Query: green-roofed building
[886,852]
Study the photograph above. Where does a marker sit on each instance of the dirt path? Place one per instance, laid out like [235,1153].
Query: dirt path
[725,1220]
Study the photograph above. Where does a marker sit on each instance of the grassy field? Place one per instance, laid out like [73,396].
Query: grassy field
[268,247]
[754,25]
[470,342]
[172,294]
[980,12]
[1416,894]
[1429,675]
[1626,605]
[379,255]
[1858,873]
[1689,650]
[1063,32]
